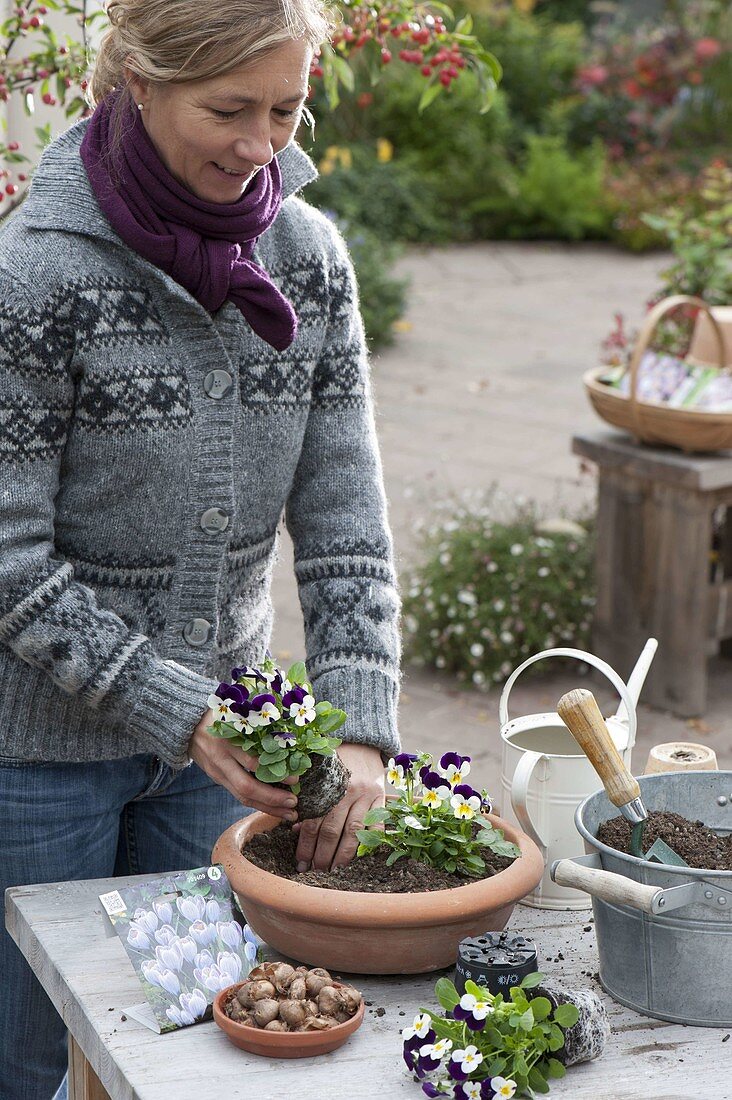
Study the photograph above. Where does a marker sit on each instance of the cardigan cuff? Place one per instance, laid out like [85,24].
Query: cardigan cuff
[173,702]
[369,698]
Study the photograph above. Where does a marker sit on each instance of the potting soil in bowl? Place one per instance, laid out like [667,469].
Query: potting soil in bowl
[692,840]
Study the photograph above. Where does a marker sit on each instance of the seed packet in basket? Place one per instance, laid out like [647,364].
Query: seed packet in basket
[184,942]
[659,377]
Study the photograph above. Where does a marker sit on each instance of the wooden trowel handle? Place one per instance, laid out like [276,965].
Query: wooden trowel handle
[579,711]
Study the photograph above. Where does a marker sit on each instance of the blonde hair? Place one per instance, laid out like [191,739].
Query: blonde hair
[176,41]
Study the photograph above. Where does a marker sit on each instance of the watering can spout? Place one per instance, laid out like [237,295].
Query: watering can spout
[638,676]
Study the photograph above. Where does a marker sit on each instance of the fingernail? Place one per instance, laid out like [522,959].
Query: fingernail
[301,867]
[291,802]
[292,817]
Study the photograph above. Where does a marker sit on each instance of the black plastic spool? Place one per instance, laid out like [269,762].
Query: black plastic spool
[495,960]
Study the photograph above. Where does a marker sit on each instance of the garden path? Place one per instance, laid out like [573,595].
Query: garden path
[484,387]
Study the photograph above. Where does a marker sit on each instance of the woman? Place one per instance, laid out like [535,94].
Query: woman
[166,393]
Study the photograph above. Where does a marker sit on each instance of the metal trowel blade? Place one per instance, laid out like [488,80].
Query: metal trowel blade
[660,852]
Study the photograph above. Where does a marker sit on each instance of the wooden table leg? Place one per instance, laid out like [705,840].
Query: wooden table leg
[653,544]
[83,1081]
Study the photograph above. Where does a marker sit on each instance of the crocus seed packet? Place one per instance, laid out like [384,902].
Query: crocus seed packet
[185,944]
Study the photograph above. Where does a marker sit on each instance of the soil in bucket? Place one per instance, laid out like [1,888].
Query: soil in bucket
[274,851]
[700,846]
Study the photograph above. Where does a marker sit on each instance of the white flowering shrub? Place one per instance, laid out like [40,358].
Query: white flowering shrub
[490,593]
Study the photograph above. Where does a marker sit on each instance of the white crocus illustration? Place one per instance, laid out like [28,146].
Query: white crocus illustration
[163,911]
[230,965]
[146,920]
[230,933]
[189,947]
[203,933]
[137,938]
[166,934]
[170,957]
[192,908]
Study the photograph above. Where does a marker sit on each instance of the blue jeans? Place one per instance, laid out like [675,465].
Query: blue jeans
[78,821]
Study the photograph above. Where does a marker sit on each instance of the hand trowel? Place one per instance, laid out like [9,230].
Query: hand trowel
[580,713]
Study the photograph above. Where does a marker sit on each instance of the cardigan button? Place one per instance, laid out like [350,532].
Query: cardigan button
[214,520]
[218,384]
[197,631]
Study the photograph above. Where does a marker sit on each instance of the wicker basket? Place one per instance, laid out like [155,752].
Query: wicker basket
[654,422]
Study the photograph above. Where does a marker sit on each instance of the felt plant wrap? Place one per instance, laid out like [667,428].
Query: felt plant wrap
[436,817]
[484,1046]
[273,715]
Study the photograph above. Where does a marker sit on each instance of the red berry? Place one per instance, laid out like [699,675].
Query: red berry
[386,56]
[434,62]
[35,21]
[445,79]
[22,177]
[316,70]
[11,189]
[395,32]
[453,72]
[426,70]
[42,10]
[63,50]
[362,39]
[365,100]
[349,34]
[14,146]
[49,100]
[84,85]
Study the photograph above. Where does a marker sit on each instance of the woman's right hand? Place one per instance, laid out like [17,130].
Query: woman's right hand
[232,767]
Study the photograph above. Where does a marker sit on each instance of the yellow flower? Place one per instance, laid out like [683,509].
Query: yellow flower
[384,150]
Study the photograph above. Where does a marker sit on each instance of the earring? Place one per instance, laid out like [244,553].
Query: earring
[141,106]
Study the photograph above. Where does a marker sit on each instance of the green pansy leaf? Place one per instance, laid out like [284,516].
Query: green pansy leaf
[566,1015]
[555,1068]
[394,856]
[273,757]
[323,708]
[537,1081]
[297,673]
[556,1038]
[376,815]
[446,993]
[264,775]
[541,1007]
[531,980]
[370,838]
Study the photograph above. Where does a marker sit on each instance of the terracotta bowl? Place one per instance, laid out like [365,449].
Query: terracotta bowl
[362,933]
[282,1044]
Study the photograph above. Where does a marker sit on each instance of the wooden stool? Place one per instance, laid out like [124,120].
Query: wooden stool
[657,575]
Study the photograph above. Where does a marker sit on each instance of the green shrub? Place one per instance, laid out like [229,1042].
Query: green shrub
[556,193]
[382,295]
[390,199]
[489,594]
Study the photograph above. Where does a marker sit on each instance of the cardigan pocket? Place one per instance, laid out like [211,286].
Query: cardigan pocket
[246,613]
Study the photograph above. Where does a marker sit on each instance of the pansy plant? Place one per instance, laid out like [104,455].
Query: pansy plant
[485,1047]
[273,715]
[436,817]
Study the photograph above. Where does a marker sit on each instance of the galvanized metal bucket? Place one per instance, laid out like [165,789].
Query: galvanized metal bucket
[664,934]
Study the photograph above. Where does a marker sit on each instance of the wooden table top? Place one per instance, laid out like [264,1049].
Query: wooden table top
[60,929]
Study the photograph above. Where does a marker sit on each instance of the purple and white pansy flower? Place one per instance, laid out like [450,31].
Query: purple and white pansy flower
[465,802]
[463,1062]
[454,767]
[503,1087]
[473,1011]
[395,775]
[304,712]
[263,710]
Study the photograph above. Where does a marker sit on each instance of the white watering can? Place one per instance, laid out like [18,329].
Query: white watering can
[545,775]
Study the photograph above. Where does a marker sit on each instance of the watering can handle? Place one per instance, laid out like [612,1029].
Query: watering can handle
[589,659]
[519,793]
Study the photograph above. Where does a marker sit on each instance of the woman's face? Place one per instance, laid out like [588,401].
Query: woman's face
[213,135]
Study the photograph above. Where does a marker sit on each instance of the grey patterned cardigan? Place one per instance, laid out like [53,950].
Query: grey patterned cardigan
[148,451]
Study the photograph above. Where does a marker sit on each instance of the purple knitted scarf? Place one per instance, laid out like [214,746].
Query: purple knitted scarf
[204,246]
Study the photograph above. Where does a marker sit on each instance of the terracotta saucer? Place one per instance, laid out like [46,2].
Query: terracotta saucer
[282,1044]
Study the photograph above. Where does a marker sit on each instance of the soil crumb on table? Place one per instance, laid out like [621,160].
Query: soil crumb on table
[274,851]
[692,840]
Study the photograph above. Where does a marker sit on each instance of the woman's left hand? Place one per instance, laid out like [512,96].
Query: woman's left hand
[331,841]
